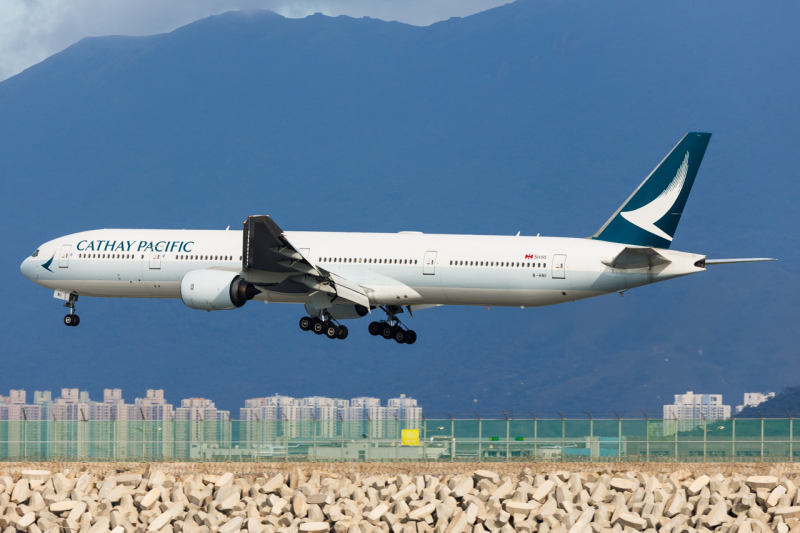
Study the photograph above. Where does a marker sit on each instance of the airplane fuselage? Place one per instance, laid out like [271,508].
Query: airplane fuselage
[393,268]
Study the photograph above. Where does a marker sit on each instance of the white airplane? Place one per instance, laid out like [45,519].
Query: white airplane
[340,276]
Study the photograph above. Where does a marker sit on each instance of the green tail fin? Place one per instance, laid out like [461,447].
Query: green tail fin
[650,216]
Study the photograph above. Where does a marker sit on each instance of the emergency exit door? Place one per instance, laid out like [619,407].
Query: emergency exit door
[155,260]
[429,264]
[63,256]
[559,266]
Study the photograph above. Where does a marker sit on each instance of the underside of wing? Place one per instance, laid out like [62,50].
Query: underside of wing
[273,263]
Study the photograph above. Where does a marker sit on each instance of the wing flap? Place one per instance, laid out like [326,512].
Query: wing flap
[267,249]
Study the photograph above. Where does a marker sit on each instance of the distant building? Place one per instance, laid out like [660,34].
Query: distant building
[199,424]
[752,399]
[689,411]
[154,407]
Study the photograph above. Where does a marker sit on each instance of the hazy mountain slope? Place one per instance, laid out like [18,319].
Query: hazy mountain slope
[535,116]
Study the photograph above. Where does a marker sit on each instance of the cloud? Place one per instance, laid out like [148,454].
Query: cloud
[32,30]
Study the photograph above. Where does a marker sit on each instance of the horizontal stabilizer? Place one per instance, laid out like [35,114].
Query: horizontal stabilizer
[745,260]
[634,257]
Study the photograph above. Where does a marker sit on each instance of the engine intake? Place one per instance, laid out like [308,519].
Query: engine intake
[216,290]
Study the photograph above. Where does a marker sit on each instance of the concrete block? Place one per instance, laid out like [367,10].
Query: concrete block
[479,475]
[313,527]
[622,484]
[232,526]
[273,484]
[787,512]
[633,521]
[320,499]
[60,507]
[542,490]
[36,475]
[421,512]
[21,491]
[717,514]
[762,482]
[697,485]
[378,512]
[463,487]
[224,480]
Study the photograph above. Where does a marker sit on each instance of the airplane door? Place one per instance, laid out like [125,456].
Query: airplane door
[559,266]
[155,260]
[429,264]
[63,256]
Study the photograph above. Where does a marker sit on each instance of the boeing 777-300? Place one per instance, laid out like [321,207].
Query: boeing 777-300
[340,276]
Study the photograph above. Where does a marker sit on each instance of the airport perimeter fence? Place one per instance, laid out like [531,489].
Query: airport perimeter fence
[595,440]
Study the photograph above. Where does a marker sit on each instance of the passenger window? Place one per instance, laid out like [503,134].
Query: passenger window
[415,261]
[544,265]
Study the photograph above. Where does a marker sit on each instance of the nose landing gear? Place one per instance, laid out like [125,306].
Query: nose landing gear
[392,328]
[72,319]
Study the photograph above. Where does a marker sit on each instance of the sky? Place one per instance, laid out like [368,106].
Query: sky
[32,30]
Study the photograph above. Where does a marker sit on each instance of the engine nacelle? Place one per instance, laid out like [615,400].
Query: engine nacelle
[215,290]
[340,312]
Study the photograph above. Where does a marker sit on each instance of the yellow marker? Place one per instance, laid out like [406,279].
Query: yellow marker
[410,437]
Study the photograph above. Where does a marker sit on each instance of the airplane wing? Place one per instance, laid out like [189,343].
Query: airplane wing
[269,258]
[636,257]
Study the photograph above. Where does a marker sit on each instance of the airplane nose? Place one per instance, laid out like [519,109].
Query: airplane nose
[26,268]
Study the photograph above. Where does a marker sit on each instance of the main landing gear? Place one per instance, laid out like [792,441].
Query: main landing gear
[392,328]
[324,326]
[72,319]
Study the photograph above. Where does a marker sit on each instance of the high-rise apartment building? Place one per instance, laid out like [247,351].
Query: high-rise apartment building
[689,411]
[752,399]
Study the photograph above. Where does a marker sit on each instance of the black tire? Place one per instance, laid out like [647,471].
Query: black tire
[375,328]
[343,332]
[319,326]
[332,331]
[77,320]
[411,336]
[400,336]
[387,331]
[305,323]
[69,320]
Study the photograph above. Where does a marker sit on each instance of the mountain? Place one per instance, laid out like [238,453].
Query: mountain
[537,116]
[785,403]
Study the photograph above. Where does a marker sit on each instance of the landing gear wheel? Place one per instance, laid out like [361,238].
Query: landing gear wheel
[318,326]
[305,323]
[71,320]
[387,331]
[399,336]
[77,319]
[411,336]
[342,333]
[332,331]
[375,329]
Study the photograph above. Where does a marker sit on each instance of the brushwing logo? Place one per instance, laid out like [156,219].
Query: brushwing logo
[46,265]
[646,216]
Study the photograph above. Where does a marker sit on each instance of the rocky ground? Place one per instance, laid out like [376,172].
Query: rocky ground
[399,498]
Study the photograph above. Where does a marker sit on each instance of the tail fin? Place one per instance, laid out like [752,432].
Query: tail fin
[650,216]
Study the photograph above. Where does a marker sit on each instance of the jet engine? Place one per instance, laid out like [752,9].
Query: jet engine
[215,290]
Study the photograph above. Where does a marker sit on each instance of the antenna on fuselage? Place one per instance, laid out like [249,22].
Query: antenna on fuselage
[518,233]
[226,229]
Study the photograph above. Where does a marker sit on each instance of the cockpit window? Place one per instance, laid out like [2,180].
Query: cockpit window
[35,253]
